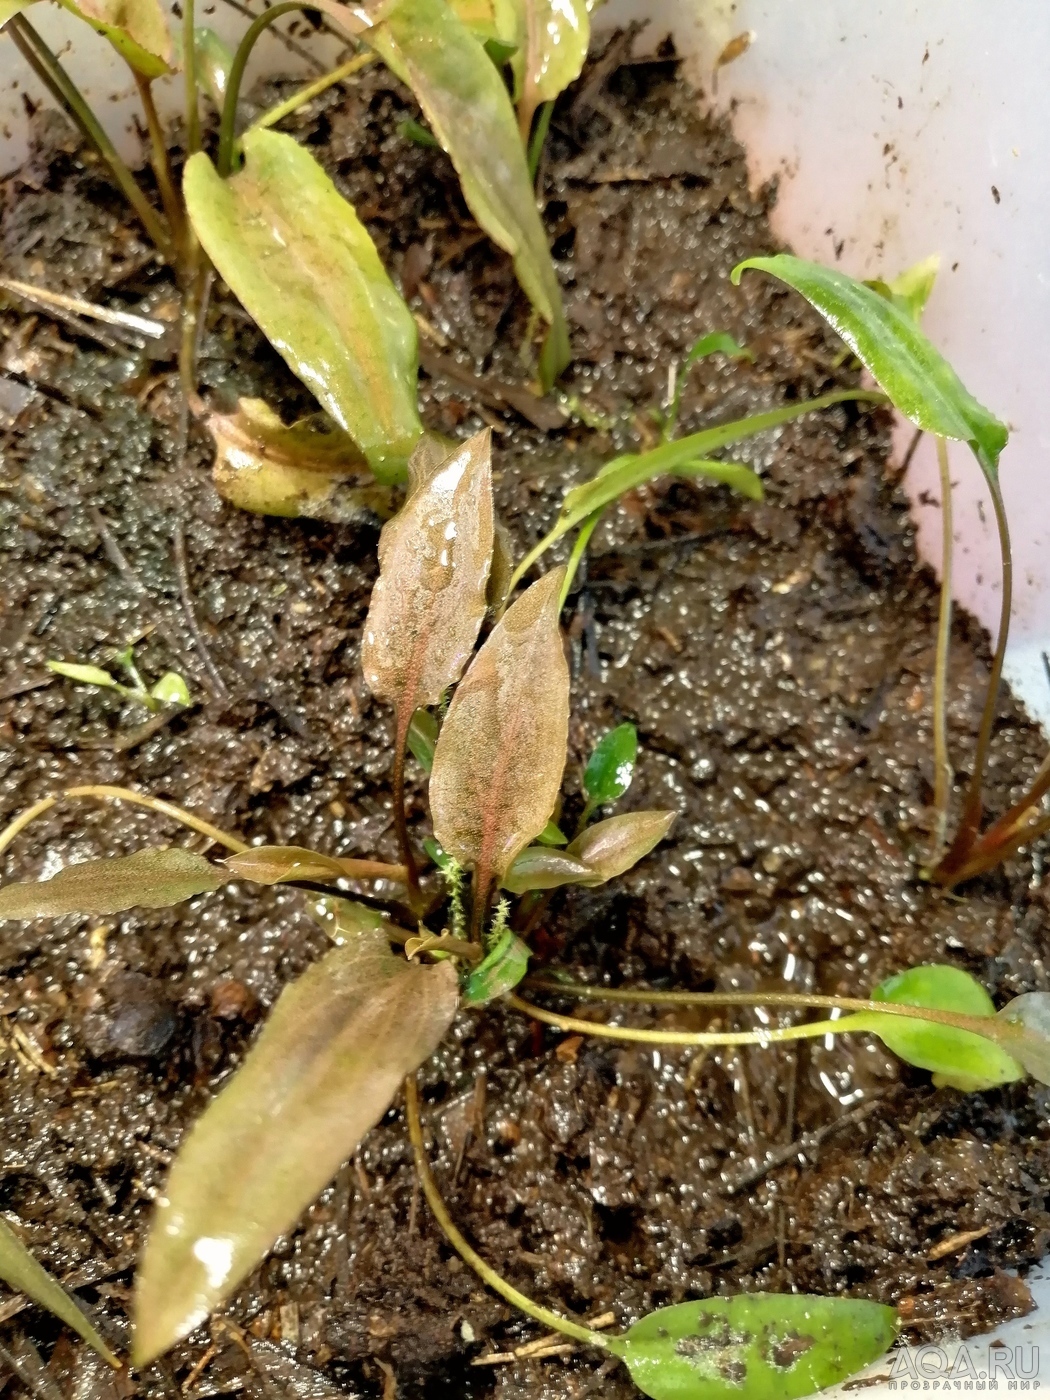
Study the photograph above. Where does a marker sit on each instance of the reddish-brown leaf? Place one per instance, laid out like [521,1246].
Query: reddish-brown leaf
[609,848]
[501,751]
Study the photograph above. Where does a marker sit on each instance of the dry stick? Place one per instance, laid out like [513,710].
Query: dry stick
[497,1283]
[943,773]
[311,90]
[54,77]
[186,595]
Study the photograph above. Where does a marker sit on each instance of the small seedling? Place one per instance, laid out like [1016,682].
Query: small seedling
[341,1040]
[170,692]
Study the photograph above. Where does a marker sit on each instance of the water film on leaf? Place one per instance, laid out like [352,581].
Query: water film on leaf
[610,767]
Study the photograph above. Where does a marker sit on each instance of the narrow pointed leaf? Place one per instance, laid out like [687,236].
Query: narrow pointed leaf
[715,343]
[611,847]
[325,1068]
[889,343]
[501,752]
[610,767]
[957,1058]
[306,470]
[543,868]
[430,599]
[763,1346]
[85,675]
[20,1271]
[151,879]
[296,255]
[469,110]
[137,29]
[1027,1020]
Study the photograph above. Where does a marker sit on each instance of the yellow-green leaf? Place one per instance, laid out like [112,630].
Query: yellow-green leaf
[555,35]
[10,8]
[150,879]
[137,29]
[469,110]
[303,265]
[323,1071]
[611,847]
[20,1271]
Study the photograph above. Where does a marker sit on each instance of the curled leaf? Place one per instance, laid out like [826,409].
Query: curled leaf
[1026,1023]
[764,1346]
[610,767]
[501,752]
[500,971]
[889,343]
[308,469]
[151,879]
[609,848]
[957,1058]
[20,1271]
[298,258]
[323,1071]
[468,108]
[429,601]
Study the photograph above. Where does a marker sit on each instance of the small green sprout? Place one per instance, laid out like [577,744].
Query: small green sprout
[170,692]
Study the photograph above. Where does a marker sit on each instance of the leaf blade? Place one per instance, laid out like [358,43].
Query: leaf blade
[610,767]
[328,1062]
[557,34]
[766,1346]
[469,111]
[151,879]
[888,341]
[501,751]
[137,29]
[612,847]
[282,236]
[20,1271]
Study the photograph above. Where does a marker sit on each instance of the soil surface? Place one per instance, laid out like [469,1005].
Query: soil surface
[776,658]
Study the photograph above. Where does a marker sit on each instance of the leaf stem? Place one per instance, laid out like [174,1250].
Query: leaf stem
[228,122]
[311,90]
[58,82]
[943,772]
[539,137]
[189,78]
[495,1281]
[400,817]
[159,159]
[579,546]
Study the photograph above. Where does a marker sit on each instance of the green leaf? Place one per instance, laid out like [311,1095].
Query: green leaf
[552,835]
[919,380]
[760,1346]
[1025,1030]
[466,103]
[309,469]
[417,133]
[10,8]
[610,767]
[542,868]
[324,1070]
[911,290]
[150,879]
[612,847]
[431,596]
[553,37]
[171,689]
[294,252]
[423,737]
[86,675]
[957,1058]
[214,61]
[499,972]
[137,29]
[501,752]
[716,343]
[20,1271]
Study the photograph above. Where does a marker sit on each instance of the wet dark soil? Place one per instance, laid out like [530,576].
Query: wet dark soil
[777,660]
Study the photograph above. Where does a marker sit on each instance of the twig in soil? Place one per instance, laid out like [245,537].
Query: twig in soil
[541,413]
[954,1243]
[136,330]
[186,596]
[802,1146]
[200,1367]
[550,1345]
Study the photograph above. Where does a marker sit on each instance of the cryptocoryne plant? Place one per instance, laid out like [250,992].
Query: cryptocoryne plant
[341,1041]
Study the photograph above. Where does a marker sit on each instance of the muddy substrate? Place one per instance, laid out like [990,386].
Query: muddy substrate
[777,660]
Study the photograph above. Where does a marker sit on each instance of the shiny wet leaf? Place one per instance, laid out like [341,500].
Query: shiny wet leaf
[272,865]
[467,107]
[323,1071]
[889,343]
[501,752]
[150,879]
[20,1271]
[296,255]
[499,972]
[430,599]
[214,61]
[957,1058]
[755,1346]
[544,868]
[550,40]
[1026,1023]
[310,469]
[610,767]
[612,847]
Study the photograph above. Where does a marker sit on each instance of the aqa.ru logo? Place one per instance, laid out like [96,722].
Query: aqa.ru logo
[986,1367]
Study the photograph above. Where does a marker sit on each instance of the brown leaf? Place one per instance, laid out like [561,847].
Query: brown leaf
[269,865]
[150,879]
[544,868]
[609,848]
[434,560]
[501,751]
[324,1069]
